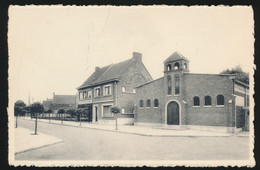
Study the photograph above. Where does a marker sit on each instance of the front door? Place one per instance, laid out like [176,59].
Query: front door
[173,113]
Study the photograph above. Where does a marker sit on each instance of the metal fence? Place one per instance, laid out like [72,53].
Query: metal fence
[60,116]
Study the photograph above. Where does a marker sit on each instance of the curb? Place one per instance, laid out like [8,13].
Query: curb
[34,148]
[135,133]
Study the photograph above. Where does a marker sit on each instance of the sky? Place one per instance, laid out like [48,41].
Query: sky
[56,48]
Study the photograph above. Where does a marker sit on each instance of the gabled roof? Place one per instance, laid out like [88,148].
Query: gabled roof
[107,73]
[175,56]
[94,77]
[64,99]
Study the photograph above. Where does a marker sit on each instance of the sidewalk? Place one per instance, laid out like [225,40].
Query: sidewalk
[26,140]
[140,130]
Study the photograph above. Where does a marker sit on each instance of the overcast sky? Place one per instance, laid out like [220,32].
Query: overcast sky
[55,48]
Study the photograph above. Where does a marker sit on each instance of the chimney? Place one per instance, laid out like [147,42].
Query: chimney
[97,68]
[137,56]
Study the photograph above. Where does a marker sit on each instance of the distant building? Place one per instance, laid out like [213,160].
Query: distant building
[60,102]
[113,85]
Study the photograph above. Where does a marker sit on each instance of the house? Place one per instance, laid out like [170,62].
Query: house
[113,85]
[60,102]
[181,99]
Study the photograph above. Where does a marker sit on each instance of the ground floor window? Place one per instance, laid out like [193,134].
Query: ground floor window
[196,101]
[207,101]
[220,100]
[107,111]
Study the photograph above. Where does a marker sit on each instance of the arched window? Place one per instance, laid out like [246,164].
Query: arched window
[207,100]
[169,67]
[123,89]
[196,101]
[177,84]
[176,66]
[141,103]
[156,103]
[220,100]
[169,83]
[148,103]
[185,66]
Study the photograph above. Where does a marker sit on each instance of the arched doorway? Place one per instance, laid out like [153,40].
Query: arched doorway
[173,114]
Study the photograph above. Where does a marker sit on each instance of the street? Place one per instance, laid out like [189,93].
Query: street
[91,144]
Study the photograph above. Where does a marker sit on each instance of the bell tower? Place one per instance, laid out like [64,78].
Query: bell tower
[174,67]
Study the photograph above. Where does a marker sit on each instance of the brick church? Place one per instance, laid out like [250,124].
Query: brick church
[179,99]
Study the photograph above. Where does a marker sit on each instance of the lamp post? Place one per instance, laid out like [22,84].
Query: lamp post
[35,132]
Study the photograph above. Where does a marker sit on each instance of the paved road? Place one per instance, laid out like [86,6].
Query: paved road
[89,144]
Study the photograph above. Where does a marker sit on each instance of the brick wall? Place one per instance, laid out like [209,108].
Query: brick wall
[212,85]
[150,91]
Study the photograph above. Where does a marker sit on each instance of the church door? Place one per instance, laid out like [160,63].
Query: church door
[173,113]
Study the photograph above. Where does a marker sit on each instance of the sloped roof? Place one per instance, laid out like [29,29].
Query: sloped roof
[94,76]
[64,99]
[175,56]
[107,73]
[159,79]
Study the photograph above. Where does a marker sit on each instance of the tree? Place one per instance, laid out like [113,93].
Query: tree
[49,111]
[115,110]
[79,113]
[36,107]
[61,112]
[239,74]
[72,112]
[19,106]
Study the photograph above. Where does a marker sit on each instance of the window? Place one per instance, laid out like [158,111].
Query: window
[156,103]
[148,103]
[176,66]
[169,82]
[122,110]
[196,101]
[141,103]
[207,101]
[169,67]
[97,92]
[177,84]
[89,94]
[107,90]
[84,95]
[185,66]
[80,96]
[220,100]
[123,89]
[107,111]
[134,90]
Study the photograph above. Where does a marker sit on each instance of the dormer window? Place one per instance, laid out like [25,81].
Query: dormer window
[169,67]
[176,66]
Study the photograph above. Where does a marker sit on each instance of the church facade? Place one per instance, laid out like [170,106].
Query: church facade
[181,99]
